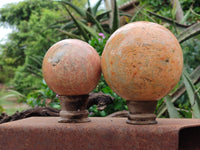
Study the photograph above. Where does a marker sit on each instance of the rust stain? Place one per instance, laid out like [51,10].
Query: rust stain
[113,73]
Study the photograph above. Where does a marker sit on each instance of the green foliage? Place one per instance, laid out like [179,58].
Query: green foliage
[115,23]
[10,94]
[89,22]
[80,28]
[191,53]
[25,82]
[99,43]
[43,97]
[76,8]
[189,32]
[5,95]
[118,105]
[164,8]
[1,109]
[31,38]
[7,72]
[121,2]
[173,113]
[39,24]
[179,98]
[194,6]
[178,103]
[194,98]
[89,16]
[13,14]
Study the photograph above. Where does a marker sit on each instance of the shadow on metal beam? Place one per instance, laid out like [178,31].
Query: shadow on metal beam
[189,138]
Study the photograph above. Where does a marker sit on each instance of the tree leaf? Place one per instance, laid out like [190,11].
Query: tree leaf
[168,20]
[193,97]
[74,36]
[137,13]
[186,16]
[36,59]
[77,9]
[91,31]
[1,109]
[95,8]
[81,29]
[97,23]
[189,32]
[173,113]
[195,76]
[115,23]
[34,70]
[102,15]
[173,11]
[68,25]
[89,6]
[125,14]
[198,15]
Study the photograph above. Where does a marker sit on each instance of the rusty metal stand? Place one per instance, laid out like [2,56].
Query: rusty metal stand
[44,133]
[141,112]
[73,109]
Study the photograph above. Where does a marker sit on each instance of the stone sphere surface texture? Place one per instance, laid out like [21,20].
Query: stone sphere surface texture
[71,67]
[142,61]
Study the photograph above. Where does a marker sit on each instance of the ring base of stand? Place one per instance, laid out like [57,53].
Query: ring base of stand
[141,112]
[73,109]
[65,120]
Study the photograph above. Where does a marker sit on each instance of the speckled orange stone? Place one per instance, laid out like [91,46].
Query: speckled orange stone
[71,67]
[142,61]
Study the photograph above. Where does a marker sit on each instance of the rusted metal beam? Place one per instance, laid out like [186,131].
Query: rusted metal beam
[101,133]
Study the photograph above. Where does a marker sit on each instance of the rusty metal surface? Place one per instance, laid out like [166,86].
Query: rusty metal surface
[73,109]
[38,133]
[141,112]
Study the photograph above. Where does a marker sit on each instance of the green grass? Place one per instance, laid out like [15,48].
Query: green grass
[9,101]
[11,107]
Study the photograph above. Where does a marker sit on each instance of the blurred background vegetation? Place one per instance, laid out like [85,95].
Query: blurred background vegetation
[38,24]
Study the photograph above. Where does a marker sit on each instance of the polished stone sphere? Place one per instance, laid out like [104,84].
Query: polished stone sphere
[142,61]
[71,67]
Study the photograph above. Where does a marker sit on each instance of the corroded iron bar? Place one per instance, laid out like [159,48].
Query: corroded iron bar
[73,109]
[141,112]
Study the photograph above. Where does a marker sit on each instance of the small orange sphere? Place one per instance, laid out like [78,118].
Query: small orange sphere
[142,61]
[71,67]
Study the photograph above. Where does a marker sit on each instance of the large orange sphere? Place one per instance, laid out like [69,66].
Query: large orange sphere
[71,67]
[142,61]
